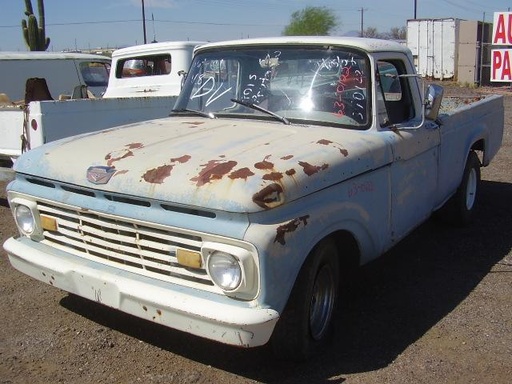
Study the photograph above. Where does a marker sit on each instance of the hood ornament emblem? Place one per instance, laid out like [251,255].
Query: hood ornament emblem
[99,174]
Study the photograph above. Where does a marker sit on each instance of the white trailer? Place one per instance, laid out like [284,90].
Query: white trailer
[434,46]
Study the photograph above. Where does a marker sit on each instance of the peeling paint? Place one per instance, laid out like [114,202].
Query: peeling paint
[312,169]
[269,197]
[213,170]
[242,173]
[289,227]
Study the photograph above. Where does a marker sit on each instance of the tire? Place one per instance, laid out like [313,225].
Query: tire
[306,324]
[462,204]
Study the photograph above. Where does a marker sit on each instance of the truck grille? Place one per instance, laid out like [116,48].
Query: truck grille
[129,245]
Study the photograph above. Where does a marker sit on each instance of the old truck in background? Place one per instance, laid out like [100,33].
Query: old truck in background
[285,164]
[143,84]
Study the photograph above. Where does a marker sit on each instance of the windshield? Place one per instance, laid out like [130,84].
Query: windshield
[95,73]
[300,84]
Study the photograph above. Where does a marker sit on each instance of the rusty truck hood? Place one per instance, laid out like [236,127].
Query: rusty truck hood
[225,164]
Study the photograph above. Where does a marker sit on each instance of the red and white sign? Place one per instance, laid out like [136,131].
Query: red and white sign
[502,28]
[501,58]
[501,65]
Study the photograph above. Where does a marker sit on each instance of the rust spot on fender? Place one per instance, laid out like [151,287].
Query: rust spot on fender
[291,172]
[214,170]
[287,157]
[339,147]
[158,175]
[312,169]
[289,227]
[242,173]
[268,197]
[273,176]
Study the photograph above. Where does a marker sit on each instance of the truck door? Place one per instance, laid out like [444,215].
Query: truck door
[415,145]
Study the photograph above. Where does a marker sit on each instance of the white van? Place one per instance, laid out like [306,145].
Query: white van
[154,69]
[62,71]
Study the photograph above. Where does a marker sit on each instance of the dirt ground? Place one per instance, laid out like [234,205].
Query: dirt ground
[436,309]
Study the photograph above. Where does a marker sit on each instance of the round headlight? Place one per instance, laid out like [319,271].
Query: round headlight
[224,270]
[24,219]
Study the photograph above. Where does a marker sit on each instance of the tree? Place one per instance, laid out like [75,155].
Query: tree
[371,32]
[398,33]
[311,21]
[34,34]
[394,33]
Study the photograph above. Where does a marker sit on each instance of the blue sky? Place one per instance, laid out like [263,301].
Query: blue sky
[87,24]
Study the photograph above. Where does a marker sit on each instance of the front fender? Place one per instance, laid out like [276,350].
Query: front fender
[285,236]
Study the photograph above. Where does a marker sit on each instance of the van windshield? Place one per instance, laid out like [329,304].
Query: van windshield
[95,73]
[314,85]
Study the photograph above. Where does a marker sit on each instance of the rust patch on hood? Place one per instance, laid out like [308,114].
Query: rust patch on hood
[193,124]
[339,147]
[114,156]
[269,197]
[242,173]
[182,159]
[273,176]
[265,164]
[213,170]
[122,172]
[158,175]
[135,146]
[312,169]
[289,227]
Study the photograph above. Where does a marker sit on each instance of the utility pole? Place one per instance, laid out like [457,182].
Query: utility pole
[362,22]
[144,23]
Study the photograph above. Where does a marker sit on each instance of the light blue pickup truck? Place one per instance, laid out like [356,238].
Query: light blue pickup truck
[285,163]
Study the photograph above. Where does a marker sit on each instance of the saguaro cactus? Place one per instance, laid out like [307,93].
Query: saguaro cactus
[34,33]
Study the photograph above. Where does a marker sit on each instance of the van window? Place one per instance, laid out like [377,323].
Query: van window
[95,74]
[144,66]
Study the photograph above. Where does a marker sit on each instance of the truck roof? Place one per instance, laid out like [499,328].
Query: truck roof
[366,44]
[155,47]
[33,55]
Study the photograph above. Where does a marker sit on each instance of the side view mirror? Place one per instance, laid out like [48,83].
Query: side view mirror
[183,76]
[433,98]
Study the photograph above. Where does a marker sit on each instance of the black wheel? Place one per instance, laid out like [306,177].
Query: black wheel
[306,323]
[461,206]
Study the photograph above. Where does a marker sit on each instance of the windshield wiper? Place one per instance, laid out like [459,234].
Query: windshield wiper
[261,109]
[195,112]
